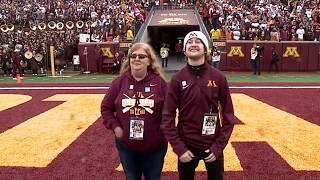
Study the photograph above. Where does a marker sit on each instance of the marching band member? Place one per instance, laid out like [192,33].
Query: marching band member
[16,67]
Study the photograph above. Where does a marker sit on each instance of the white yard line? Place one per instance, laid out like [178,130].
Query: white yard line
[274,87]
[92,88]
[51,88]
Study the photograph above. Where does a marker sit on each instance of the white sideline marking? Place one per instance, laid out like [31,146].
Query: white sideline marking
[90,88]
[51,88]
[274,87]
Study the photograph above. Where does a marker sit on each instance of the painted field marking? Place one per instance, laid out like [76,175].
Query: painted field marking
[39,140]
[53,88]
[296,140]
[107,87]
[10,100]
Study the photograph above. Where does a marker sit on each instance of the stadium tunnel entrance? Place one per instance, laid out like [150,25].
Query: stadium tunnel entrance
[169,35]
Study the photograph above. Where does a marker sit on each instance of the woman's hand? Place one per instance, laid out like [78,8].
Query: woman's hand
[118,132]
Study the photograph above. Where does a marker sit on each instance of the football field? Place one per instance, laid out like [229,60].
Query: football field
[54,131]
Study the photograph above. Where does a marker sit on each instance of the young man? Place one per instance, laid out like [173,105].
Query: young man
[206,117]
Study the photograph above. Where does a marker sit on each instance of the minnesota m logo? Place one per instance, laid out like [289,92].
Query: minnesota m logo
[291,51]
[192,35]
[235,51]
[211,83]
[107,52]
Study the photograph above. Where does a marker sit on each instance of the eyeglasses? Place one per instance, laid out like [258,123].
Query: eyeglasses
[140,56]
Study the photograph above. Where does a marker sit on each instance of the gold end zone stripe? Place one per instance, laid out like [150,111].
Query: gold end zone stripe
[296,140]
[39,140]
[10,100]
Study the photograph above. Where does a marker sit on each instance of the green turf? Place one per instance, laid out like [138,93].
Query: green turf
[275,77]
[75,77]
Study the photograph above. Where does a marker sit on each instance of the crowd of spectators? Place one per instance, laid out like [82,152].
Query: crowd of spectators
[275,20]
[105,20]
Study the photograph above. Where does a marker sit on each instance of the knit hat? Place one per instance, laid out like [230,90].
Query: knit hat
[196,34]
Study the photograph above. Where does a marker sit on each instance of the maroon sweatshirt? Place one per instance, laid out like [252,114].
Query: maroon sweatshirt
[128,98]
[192,91]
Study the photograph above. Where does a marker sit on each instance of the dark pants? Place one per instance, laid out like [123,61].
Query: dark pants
[135,163]
[164,62]
[216,64]
[17,70]
[5,69]
[275,64]
[179,56]
[34,66]
[215,169]
[255,64]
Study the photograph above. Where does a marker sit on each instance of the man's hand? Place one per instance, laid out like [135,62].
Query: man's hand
[210,158]
[186,157]
[118,132]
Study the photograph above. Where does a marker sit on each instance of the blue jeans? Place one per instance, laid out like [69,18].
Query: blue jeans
[136,163]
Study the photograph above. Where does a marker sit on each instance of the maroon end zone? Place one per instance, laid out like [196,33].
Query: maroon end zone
[93,154]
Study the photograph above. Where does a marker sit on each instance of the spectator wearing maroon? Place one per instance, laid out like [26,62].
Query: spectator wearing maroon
[132,110]
[205,14]
[179,52]
[316,28]
[284,34]
[195,91]
[16,67]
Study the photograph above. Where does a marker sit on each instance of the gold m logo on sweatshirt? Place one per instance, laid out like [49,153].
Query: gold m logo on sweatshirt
[211,83]
[291,52]
[235,51]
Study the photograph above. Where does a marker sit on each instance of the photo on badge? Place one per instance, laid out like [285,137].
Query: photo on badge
[136,129]
[209,124]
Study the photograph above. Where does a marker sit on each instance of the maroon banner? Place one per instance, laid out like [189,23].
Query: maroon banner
[314,56]
[236,56]
[174,17]
[291,56]
[294,55]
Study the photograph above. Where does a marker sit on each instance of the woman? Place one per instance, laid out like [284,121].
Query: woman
[132,109]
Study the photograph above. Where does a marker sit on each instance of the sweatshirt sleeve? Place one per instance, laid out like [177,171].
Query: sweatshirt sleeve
[108,108]
[168,118]
[227,120]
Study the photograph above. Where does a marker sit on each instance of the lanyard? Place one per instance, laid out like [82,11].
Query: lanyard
[213,102]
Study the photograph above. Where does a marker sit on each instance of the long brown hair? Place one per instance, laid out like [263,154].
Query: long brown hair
[153,58]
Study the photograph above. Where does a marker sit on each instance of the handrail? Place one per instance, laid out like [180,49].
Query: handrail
[202,26]
[144,26]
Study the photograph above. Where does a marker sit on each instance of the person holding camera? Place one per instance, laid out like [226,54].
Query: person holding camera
[255,53]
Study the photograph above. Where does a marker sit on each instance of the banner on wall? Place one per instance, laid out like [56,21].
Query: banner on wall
[84,38]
